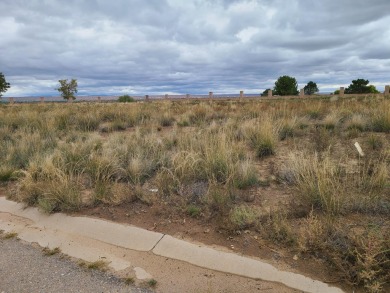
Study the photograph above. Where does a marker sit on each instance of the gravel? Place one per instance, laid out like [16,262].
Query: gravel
[24,268]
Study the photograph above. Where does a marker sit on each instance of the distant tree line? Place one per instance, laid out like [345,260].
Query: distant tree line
[288,86]
[284,86]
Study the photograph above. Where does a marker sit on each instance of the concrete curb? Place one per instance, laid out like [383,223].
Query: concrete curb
[37,227]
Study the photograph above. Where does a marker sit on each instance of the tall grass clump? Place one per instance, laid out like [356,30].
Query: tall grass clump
[381,119]
[262,137]
[318,182]
[45,185]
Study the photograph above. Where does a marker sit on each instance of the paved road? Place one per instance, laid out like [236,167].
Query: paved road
[24,268]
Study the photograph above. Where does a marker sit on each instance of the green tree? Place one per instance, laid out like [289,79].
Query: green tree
[373,89]
[68,89]
[286,86]
[126,99]
[310,88]
[265,93]
[4,85]
[360,86]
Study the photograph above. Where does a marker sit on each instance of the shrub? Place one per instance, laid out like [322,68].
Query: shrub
[263,138]
[243,217]
[194,211]
[126,99]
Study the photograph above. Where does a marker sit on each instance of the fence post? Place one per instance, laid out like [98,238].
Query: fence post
[187,96]
[302,93]
[166,96]
[241,94]
[387,90]
[99,99]
[341,91]
[269,93]
[147,98]
[210,95]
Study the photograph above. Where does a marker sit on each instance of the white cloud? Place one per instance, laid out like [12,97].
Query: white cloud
[191,46]
[246,34]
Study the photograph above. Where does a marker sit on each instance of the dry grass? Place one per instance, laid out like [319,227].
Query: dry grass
[205,158]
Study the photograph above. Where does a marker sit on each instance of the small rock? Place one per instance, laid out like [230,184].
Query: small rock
[295,257]
[207,231]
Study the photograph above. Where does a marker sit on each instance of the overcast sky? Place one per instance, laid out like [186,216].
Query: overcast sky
[191,46]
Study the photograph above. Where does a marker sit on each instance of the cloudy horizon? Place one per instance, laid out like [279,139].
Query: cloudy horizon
[141,47]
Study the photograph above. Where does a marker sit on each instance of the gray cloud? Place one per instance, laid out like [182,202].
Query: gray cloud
[194,46]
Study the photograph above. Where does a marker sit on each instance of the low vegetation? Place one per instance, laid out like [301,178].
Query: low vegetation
[221,162]
[100,265]
[49,252]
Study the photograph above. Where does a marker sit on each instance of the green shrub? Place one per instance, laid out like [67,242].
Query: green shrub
[126,99]
[193,211]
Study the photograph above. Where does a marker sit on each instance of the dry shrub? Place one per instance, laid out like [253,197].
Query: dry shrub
[113,193]
[312,234]
[357,122]
[262,136]
[318,181]
[381,119]
[278,229]
[243,217]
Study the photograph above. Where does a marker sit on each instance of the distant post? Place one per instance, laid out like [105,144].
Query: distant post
[99,99]
[166,96]
[302,93]
[387,90]
[241,94]
[147,98]
[211,95]
[341,91]
[187,96]
[42,100]
[269,93]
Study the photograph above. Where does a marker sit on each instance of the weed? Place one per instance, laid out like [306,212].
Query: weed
[152,283]
[375,142]
[166,120]
[381,120]
[193,211]
[331,120]
[357,122]
[280,230]
[246,175]
[243,217]
[262,138]
[10,235]
[318,182]
[100,265]
[49,252]
[129,281]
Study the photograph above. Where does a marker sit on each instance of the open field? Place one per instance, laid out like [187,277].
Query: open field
[261,177]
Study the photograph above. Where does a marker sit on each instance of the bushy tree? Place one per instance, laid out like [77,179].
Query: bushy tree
[68,89]
[360,86]
[286,86]
[373,89]
[310,88]
[126,99]
[4,85]
[265,93]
